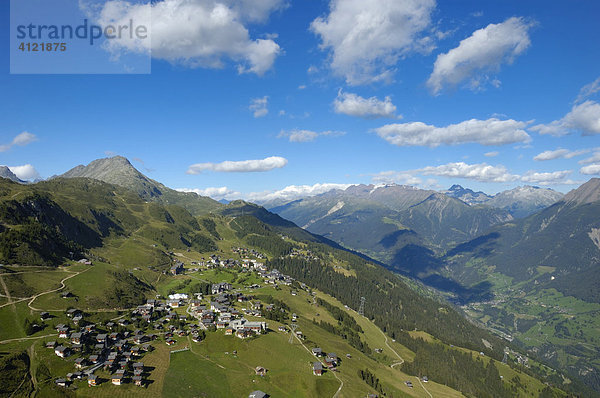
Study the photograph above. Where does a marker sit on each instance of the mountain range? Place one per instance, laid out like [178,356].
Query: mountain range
[523,277]
[133,240]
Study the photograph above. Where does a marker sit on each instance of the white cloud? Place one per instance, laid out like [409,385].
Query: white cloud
[25,172]
[592,169]
[369,108]
[584,117]
[595,158]
[367,37]
[480,172]
[242,166]
[485,132]
[549,178]
[22,139]
[302,87]
[398,177]
[491,154]
[482,52]
[216,193]
[588,90]
[293,192]
[259,106]
[297,135]
[195,33]
[559,154]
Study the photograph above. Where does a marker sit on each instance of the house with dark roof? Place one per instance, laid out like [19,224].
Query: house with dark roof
[317,368]
[257,394]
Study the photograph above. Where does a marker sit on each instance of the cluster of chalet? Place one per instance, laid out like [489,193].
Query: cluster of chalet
[275,277]
[222,315]
[329,361]
[177,268]
[245,252]
[303,254]
[101,347]
[214,261]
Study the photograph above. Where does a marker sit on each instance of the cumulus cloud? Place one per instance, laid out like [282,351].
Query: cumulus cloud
[368,108]
[25,172]
[595,158]
[259,106]
[397,177]
[22,139]
[485,132]
[559,154]
[216,193]
[367,37]
[549,178]
[297,135]
[482,52]
[293,192]
[242,166]
[482,172]
[194,33]
[592,169]
[584,117]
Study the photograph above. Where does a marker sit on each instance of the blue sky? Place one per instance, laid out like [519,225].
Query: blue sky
[299,93]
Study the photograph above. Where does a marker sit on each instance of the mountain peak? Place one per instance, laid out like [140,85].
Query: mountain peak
[587,193]
[467,195]
[6,172]
[119,171]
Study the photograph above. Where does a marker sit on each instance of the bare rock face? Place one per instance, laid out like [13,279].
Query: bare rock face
[587,193]
[5,172]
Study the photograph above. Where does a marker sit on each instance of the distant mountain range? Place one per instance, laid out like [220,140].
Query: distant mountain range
[397,223]
[564,236]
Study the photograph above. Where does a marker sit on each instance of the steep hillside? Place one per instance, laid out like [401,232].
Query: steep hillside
[541,273]
[118,170]
[564,236]
[446,221]
[42,223]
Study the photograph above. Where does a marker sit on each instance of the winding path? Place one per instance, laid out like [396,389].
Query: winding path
[335,375]
[401,361]
[62,283]
[419,380]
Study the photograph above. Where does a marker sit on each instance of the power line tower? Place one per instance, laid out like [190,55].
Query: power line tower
[361,309]
[293,328]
